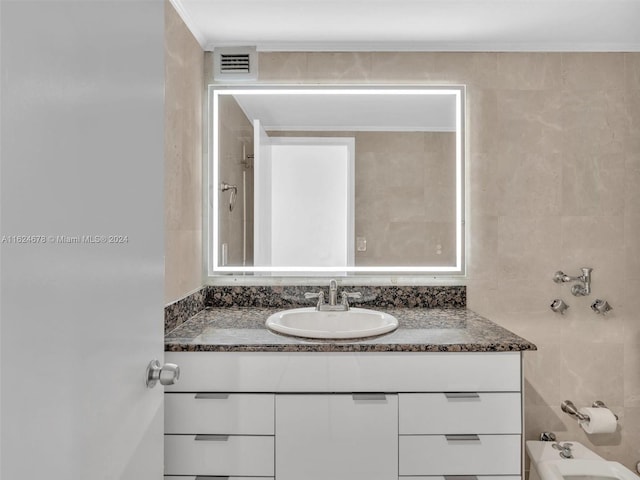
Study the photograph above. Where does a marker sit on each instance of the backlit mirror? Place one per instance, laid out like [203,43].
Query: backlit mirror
[335,180]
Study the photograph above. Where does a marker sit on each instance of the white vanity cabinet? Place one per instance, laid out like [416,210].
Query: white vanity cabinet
[345,415]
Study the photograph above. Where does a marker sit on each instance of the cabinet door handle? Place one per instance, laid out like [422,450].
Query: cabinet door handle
[452,395]
[213,396]
[462,438]
[460,477]
[368,396]
[212,438]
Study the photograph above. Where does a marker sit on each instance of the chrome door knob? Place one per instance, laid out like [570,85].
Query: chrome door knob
[166,374]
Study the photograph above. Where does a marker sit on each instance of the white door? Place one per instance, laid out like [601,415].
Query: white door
[81,196]
[310,196]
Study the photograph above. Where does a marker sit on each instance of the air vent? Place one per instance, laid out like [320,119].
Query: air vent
[235,64]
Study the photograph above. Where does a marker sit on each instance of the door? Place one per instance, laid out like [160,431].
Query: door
[82,227]
[317,229]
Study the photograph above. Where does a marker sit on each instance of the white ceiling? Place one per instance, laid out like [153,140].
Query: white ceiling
[420,25]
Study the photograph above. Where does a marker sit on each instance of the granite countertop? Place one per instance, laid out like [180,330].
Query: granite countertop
[242,329]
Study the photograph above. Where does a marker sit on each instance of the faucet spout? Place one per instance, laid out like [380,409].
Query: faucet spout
[333,292]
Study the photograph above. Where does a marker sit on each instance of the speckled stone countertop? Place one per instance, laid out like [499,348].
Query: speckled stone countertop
[242,329]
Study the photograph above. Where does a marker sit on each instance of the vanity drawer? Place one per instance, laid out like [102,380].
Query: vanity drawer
[219,455]
[240,414]
[459,412]
[460,455]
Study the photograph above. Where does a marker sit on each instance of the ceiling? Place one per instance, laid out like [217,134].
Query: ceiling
[415,25]
[349,112]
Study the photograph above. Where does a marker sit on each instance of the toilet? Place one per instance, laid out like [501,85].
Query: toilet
[547,463]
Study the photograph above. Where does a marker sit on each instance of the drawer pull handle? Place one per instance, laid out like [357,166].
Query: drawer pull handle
[212,438]
[213,396]
[368,396]
[460,477]
[462,438]
[210,477]
[452,395]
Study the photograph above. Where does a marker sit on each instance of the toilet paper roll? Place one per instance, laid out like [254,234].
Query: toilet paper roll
[601,420]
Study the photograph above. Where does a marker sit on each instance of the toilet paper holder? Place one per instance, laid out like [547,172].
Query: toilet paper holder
[569,408]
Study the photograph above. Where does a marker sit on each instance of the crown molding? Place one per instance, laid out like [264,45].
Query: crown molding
[188,21]
[429,47]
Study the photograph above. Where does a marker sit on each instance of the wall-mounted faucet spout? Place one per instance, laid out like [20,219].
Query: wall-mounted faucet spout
[577,290]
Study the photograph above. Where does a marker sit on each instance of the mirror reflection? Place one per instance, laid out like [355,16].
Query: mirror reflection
[337,180]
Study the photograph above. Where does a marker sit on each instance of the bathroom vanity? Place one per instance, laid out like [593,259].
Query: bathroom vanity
[440,396]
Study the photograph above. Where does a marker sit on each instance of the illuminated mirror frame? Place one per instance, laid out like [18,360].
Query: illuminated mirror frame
[211,245]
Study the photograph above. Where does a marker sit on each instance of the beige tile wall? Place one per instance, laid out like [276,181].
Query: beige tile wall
[183,158]
[235,139]
[553,183]
[404,196]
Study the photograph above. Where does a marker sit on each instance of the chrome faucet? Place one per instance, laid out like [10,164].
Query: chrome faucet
[333,292]
[333,305]
[565,449]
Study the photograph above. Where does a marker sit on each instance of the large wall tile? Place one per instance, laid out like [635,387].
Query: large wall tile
[592,371]
[529,71]
[282,67]
[632,70]
[591,183]
[339,66]
[594,122]
[632,247]
[527,246]
[184,70]
[593,71]
[631,376]
[632,316]
[631,437]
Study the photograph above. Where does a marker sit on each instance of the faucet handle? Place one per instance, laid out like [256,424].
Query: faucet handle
[349,295]
[310,295]
[313,295]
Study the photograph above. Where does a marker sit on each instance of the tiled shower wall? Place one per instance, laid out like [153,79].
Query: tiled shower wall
[553,183]
[235,139]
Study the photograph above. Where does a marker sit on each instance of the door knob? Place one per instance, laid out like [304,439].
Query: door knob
[166,374]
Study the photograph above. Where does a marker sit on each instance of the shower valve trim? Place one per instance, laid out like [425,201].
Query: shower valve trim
[224,186]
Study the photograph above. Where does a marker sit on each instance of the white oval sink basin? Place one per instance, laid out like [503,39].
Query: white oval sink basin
[311,323]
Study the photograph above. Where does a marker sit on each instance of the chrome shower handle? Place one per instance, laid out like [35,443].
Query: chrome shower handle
[234,193]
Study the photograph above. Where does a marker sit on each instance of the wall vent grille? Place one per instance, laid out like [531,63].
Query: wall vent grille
[230,63]
[235,64]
